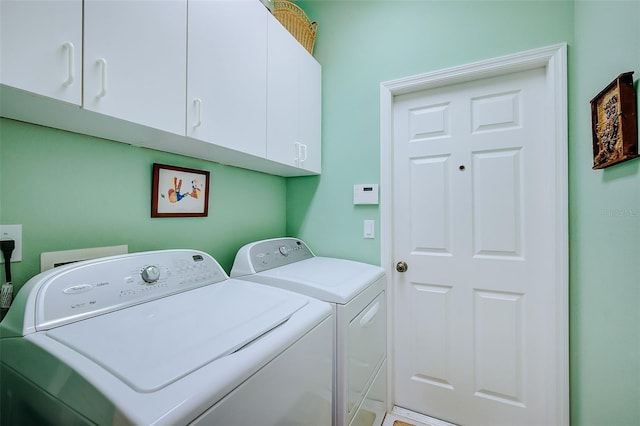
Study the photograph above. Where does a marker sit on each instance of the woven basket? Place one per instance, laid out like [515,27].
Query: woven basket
[296,22]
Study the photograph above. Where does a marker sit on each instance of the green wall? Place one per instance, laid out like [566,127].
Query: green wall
[363,43]
[73,191]
[604,228]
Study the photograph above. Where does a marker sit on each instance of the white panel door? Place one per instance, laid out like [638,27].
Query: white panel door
[135,61]
[475,220]
[227,75]
[41,47]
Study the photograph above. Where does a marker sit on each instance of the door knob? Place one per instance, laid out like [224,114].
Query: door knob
[401,267]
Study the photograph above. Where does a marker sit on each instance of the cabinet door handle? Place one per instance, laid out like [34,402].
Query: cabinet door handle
[301,153]
[298,149]
[198,103]
[103,64]
[68,46]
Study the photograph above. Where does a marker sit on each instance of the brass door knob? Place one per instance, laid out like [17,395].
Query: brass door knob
[401,267]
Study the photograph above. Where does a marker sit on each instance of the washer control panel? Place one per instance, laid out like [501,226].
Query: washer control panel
[278,252]
[84,289]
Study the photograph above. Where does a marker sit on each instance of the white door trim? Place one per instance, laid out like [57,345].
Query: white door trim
[554,60]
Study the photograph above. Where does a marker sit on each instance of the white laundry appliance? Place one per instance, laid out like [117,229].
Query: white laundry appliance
[357,292]
[163,337]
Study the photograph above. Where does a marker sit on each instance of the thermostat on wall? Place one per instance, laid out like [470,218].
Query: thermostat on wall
[365,194]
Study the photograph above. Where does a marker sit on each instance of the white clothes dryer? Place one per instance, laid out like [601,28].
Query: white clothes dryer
[163,337]
[357,292]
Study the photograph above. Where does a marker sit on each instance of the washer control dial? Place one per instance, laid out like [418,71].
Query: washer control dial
[284,250]
[150,274]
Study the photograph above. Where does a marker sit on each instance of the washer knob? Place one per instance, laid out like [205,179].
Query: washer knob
[150,274]
[284,250]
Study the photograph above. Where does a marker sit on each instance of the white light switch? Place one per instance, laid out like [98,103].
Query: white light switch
[369,228]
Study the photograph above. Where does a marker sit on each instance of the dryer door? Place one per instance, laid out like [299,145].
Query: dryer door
[367,348]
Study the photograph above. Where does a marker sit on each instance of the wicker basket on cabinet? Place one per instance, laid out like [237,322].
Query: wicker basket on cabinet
[296,22]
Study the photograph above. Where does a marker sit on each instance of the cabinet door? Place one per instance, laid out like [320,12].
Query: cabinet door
[227,74]
[135,61]
[310,112]
[293,102]
[282,95]
[41,47]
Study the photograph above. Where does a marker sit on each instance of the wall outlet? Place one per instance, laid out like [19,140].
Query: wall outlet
[12,232]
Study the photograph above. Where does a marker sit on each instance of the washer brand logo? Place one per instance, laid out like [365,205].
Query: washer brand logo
[78,288]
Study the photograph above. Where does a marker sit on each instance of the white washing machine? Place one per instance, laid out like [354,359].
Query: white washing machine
[357,292]
[167,338]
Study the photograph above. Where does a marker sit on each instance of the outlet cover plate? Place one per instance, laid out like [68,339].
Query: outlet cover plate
[13,232]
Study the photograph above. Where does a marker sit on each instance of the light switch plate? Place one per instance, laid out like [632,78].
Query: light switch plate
[369,228]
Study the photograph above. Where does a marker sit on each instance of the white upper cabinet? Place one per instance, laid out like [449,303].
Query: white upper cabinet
[220,80]
[293,102]
[135,61]
[282,92]
[310,111]
[227,74]
[41,47]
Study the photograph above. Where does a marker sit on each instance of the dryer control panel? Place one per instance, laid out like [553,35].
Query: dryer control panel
[267,254]
[94,287]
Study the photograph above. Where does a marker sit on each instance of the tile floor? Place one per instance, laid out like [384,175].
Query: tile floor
[401,417]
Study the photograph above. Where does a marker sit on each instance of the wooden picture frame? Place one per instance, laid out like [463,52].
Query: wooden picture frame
[614,123]
[170,198]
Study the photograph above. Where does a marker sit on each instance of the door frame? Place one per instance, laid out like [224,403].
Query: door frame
[554,60]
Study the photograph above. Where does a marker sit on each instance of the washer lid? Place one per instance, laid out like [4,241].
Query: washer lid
[151,345]
[329,279]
